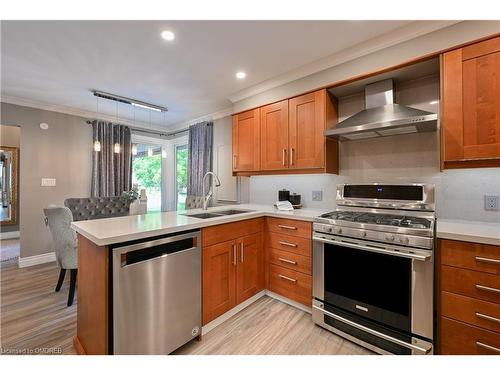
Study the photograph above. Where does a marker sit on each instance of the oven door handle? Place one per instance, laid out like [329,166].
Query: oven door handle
[420,257]
[373,332]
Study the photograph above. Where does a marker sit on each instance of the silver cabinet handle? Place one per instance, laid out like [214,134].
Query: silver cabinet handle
[288,278]
[287,227]
[287,261]
[242,250]
[287,244]
[488,260]
[284,157]
[373,332]
[488,317]
[486,346]
[291,156]
[487,288]
[234,254]
[374,249]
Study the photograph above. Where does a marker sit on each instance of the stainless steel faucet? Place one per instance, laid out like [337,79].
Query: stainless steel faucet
[208,196]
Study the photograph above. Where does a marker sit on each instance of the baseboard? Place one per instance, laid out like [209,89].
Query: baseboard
[221,319]
[37,259]
[290,302]
[9,235]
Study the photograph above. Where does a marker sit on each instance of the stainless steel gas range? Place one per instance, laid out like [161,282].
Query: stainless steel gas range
[373,267]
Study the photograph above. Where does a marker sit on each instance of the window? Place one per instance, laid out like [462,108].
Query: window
[181,175]
[147,173]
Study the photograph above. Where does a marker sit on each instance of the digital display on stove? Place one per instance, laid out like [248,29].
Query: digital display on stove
[393,192]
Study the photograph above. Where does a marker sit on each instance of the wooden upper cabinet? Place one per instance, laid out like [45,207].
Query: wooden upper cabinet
[470,118]
[306,127]
[246,141]
[274,136]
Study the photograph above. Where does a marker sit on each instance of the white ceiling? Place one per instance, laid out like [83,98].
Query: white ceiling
[58,62]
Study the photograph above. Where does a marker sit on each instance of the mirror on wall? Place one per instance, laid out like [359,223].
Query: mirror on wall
[8,185]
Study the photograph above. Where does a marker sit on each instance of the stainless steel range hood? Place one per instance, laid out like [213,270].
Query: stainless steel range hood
[382,117]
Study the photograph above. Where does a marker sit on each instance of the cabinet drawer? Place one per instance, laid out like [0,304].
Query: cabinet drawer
[297,245]
[470,310]
[461,338]
[290,227]
[474,256]
[294,285]
[226,232]
[290,260]
[474,284]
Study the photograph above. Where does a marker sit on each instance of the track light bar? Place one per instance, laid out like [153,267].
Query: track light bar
[134,102]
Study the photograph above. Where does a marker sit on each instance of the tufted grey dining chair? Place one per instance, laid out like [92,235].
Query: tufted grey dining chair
[97,207]
[65,245]
[193,201]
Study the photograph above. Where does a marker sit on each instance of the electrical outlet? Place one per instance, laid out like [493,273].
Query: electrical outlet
[317,195]
[491,202]
[48,181]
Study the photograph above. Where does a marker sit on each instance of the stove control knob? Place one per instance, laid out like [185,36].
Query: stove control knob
[404,240]
[329,229]
[390,237]
[339,230]
[363,234]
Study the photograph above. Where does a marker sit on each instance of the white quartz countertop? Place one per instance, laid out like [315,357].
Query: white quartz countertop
[128,228]
[470,231]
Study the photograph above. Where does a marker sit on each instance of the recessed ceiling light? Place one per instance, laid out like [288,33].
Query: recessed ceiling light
[168,35]
[241,75]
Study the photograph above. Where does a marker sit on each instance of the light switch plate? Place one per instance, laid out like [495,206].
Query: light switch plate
[491,202]
[317,195]
[48,181]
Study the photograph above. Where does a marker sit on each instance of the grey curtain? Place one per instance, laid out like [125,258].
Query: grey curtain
[200,156]
[111,172]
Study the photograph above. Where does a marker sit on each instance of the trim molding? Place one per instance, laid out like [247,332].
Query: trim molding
[221,319]
[9,235]
[289,302]
[37,259]
[392,38]
[229,314]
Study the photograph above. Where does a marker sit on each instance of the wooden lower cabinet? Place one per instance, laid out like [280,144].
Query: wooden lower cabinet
[249,269]
[469,298]
[233,270]
[290,284]
[219,278]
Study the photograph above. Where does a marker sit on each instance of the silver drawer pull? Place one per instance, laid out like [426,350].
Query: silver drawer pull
[287,227]
[488,260]
[288,244]
[288,278]
[287,261]
[234,255]
[487,288]
[487,317]
[489,347]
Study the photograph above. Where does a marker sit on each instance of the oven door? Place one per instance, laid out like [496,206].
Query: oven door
[381,287]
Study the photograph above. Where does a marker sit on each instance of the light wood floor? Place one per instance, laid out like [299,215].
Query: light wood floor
[33,316]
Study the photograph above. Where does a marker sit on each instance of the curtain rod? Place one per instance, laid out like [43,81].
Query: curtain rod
[157,132]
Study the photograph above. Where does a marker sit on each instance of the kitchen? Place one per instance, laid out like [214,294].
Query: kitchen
[394,228]
[241,195]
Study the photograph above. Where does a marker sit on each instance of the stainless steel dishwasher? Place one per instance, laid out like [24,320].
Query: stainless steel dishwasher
[156,294]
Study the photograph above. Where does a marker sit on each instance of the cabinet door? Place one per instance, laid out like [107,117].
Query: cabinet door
[274,136]
[219,279]
[250,270]
[246,141]
[307,125]
[471,104]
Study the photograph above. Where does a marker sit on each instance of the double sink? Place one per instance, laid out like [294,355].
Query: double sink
[209,215]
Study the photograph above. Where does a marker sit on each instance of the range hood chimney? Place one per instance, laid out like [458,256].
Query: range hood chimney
[382,117]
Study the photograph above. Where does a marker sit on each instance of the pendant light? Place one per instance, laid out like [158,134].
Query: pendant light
[97,144]
[116,147]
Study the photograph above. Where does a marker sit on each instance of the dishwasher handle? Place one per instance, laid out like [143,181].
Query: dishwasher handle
[156,249]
